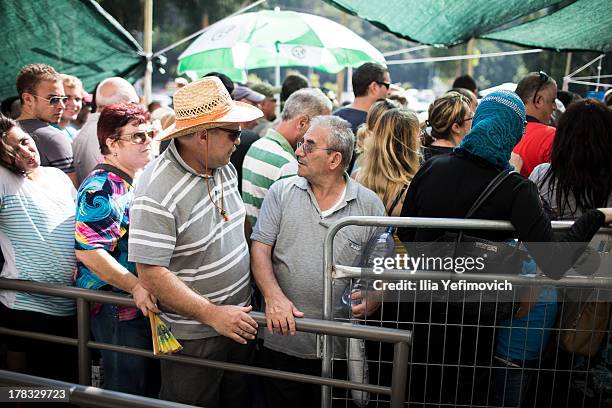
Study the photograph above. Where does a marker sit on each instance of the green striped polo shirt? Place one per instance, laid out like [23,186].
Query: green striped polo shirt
[269,159]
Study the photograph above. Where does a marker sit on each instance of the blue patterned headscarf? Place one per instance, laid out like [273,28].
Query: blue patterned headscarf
[499,124]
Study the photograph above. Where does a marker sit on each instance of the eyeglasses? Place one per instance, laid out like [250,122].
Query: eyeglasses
[542,80]
[233,133]
[138,137]
[385,84]
[309,148]
[467,119]
[54,100]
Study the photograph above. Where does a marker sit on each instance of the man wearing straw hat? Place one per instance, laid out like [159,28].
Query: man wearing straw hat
[187,238]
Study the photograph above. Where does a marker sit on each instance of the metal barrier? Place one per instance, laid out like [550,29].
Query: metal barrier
[81,394]
[336,272]
[401,340]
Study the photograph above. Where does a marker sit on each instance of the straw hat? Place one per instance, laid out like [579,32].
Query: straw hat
[206,104]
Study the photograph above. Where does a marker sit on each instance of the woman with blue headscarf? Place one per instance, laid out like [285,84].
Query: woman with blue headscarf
[446,187]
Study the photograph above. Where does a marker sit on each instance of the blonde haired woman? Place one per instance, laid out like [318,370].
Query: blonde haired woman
[450,119]
[365,130]
[391,157]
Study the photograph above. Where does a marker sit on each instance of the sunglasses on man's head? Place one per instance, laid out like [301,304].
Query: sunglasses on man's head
[543,78]
[54,100]
[138,137]
[385,84]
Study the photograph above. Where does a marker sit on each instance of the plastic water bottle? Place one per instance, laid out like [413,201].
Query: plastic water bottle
[360,285]
[383,246]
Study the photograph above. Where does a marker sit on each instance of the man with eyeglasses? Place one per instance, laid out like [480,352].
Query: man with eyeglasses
[371,82]
[272,157]
[287,253]
[73,88]
[538,92]
[41,91]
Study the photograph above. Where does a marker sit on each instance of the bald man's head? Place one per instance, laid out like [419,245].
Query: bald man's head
[115,90]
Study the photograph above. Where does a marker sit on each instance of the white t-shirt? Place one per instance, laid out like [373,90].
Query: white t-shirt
[37,237]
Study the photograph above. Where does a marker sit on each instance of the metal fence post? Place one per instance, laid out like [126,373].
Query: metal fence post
[328,262]
[84,355]
[400,370]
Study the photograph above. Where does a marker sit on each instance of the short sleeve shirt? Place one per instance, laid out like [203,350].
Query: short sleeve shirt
[535,146]
[269,159]
[102,221]
[54,148]
[291,221]
[176,223]
[354,116]
[36,237]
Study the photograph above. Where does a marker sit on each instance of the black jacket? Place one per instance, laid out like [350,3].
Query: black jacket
[446,187]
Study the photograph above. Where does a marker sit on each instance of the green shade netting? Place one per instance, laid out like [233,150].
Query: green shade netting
[440,22]
[75,37]
[585,25]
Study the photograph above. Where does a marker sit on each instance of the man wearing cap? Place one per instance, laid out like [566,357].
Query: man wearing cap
[287,253]
[267,106]
[247,95]
[187,238]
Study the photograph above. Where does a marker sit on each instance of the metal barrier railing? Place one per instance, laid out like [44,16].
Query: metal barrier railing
[82,394]
[334,272]
[400,338]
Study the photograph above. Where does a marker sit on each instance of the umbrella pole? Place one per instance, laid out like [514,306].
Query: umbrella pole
[148,49]
[277,78]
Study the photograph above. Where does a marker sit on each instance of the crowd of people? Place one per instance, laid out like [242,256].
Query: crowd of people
[219,206]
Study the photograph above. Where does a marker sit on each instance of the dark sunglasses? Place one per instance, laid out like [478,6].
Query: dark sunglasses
[542,80]
[138,137]
[385,84]
[233,133]
[54,100]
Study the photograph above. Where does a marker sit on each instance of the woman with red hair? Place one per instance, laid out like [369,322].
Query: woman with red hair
[101,242]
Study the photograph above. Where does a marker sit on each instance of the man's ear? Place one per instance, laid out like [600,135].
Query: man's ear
[336,160]
[27,98]
[303,122]
[371,87]
[202,134]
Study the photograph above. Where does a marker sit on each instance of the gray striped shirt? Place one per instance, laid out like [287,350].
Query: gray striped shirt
[174,224]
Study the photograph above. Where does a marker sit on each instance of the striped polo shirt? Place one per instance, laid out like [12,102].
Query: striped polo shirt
[269,159]
[174,224]
[37,237]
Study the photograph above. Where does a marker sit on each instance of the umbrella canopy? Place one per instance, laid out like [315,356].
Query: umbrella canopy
[276,39]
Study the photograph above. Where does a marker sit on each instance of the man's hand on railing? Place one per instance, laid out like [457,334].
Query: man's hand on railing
[233,322]
[608,214]
[367,305]
[281,314]
[144,300]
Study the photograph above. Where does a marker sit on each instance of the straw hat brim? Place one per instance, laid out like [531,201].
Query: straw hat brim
[240,112]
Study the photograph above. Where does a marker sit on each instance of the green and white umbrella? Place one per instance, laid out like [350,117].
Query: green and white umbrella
[274,38]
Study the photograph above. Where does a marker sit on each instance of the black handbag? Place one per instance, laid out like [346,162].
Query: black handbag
[500,258]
